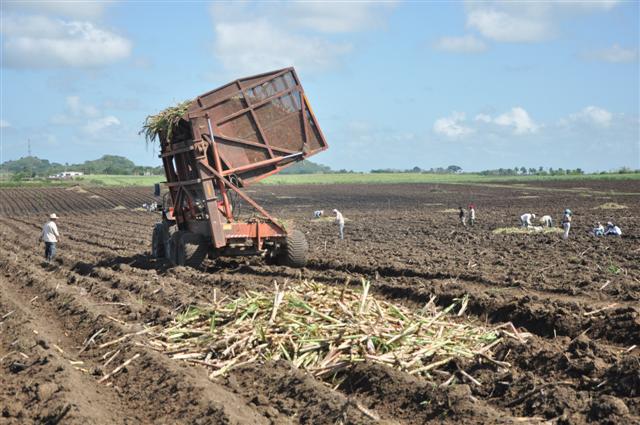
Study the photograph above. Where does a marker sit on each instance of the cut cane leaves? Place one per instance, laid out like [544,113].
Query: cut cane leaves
[323,330]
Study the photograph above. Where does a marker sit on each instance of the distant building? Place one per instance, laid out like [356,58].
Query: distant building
[66,175]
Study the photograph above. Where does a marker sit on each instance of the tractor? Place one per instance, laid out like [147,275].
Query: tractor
[215,146]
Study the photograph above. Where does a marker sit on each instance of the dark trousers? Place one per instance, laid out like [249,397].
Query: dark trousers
[49,250]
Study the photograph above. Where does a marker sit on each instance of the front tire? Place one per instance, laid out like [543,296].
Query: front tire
[158,241]
[294,252]
[187,249]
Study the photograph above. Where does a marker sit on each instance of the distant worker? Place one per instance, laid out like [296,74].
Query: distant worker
[463,218]
[566,223]
[318,213]
[50,237]
[612,230]
[598,230]
[340,222]
[546,221]
[525,219]
[472,214]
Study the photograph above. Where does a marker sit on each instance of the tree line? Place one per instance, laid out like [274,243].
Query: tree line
[32,167]
[515,171]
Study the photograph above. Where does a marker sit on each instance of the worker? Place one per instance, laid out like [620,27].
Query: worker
[612,230]
[318,213]
[472,214]
[566,223]
[598,230]
[546,221]
[340,222]
[525,219]
[463,219]
[50,236]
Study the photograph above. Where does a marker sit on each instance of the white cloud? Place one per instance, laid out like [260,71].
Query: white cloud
[41,42]
[253,46]
[524,22]
[337,17]
[4,123]
[518,119]
[613,54]
[77,108]
[96,126]
[75,111]
[592,115]
[483,118]
[452,126]
[505,27]
[253,36]
[89,118]
[465,44]
[72,9]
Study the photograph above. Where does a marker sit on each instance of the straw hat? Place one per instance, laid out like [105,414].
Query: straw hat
[53,216]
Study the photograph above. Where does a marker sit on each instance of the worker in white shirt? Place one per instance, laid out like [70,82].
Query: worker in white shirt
[566,223]
[525,219]
[472,214]
[340,222]
[50,236]
[546,221]
[612,230]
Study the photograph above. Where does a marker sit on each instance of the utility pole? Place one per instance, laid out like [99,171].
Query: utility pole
[29,146]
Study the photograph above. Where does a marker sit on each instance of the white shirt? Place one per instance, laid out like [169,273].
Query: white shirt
[472,212]
[339,218]
[546,219]
[526,218]
[50,232]
[615,230]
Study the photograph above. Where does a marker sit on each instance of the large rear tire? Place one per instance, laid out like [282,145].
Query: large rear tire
[158,241]
[294,252]
[187,249]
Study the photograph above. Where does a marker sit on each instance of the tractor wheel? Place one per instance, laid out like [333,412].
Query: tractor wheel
[187,249]
[158,241]
[169,251]
[294,253]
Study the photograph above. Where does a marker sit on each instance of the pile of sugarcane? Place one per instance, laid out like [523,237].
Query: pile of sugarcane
[164,122]
[323,329]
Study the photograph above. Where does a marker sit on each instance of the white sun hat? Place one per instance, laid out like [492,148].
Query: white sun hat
[53,216]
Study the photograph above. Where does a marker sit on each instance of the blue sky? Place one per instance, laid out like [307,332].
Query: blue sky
[393,84]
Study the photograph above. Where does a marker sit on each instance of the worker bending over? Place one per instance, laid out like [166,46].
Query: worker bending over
[50,237]
[525,219]
[598,230]
[612,230]
[546,221]
[340,222]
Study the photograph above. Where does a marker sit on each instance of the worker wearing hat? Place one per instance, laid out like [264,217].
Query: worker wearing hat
[566,223]
[340,222]
[50,236]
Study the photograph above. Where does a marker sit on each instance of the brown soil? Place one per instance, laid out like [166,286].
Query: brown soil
[579,298]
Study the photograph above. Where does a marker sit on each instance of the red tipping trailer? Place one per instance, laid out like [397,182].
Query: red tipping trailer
[227,139]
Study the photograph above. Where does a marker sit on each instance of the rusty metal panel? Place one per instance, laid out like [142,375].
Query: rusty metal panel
[260,123]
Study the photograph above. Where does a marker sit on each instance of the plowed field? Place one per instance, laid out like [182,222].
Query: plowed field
[64,326]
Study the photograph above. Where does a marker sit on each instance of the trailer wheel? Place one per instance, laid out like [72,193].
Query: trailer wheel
[158,241]
[187,249]
[294,252]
